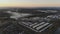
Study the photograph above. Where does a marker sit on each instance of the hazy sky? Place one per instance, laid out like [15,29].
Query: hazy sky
[29,3]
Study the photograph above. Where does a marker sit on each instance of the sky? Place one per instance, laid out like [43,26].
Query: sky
[29,3]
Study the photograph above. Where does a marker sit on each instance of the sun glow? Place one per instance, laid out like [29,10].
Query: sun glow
[29,3]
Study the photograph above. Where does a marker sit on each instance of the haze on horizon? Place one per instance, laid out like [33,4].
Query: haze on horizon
[29,3]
